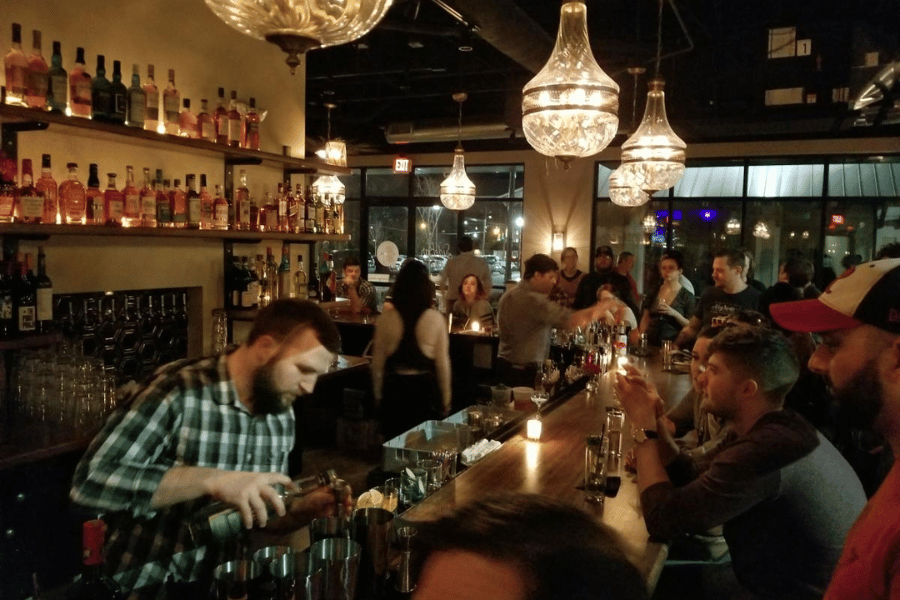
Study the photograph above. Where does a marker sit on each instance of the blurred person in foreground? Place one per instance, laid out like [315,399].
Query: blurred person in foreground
[784,495]
[526,316]
[411,355]
[200,430]
[524,547]
[858,318]
[472,305]
[667,308]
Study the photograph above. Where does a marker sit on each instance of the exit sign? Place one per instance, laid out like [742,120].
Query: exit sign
[402,165]
[837,219]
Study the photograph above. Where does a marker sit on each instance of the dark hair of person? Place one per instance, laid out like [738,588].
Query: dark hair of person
[889,250]
[284,317]
[562,254]
[480,292]
[561,552]
[734,258]
[675,255]
[762,354]
[352,261]
[413,292]
[711,331]
[851,260]
[539,263]
[623,256]
[799,272]
[608,287]
[465,244]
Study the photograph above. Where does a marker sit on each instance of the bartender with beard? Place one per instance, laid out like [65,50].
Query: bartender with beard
[201,430]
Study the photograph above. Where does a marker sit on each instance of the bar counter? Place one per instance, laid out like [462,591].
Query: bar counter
[554,467]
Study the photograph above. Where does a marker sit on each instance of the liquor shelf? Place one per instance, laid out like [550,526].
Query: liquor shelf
[41,231]
[17,118]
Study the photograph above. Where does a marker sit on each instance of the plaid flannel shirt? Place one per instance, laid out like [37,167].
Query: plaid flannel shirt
[366,291]
[188,414]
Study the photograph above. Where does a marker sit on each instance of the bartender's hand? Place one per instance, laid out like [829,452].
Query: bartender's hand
[249,493]
[320,503]
[641,403]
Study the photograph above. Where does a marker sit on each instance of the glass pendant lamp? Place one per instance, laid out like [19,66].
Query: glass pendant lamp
[300,25]
[330,189]
[458,191]
[626,188]
[570,109]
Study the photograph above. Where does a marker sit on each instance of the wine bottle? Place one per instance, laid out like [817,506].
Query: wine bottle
[44,295]
[137,100]
[93,583]
[24,299]
[118,108]
[7,325]
[58,92]
[193,203]
[101,92]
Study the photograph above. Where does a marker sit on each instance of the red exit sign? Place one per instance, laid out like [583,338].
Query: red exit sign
[402,165]
[837,219]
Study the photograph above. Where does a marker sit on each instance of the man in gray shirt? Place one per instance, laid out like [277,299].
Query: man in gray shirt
[526,317]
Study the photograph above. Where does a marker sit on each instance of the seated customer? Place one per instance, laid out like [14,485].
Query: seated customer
[360,292]
[524,547]
[783,493]
[472,305]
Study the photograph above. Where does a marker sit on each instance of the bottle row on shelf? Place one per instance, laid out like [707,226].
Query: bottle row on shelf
[161,202]
[256,283]
[30,82]
[26,299]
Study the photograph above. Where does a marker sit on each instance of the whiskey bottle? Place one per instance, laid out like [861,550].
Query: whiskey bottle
[95,206]
[250,295]
[235,123]
[268,216]
[320,214]
[252,126]
[72,198]
[205,124]
[285,203]
[242,204]
[38,78]
[113,202]
[220,118]
[187,121]
[148,201]
[47,186]
[24,299]
[285,277]
[44,295]
[131,216]
[193,203]
[220,211]
[101,92]
[29,200]
[93,583]
[151,116]
[301,280]
[298,212]
[137,100]
[119,106]
[206,204]
[163,203]
[79,88]
[58,80]
[171,104]
[7,193]
[313,286]
[178,206]
[7,307]
[310,212]
[16,66]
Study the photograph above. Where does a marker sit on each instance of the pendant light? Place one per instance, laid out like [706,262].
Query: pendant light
[329,188]
[296,26]
[626,188]
[654,153]
[570,109]
[458,191]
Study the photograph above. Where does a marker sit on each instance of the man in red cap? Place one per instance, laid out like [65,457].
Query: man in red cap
[858,317]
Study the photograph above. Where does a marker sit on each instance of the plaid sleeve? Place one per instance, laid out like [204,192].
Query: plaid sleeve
[367,295]
[125,463]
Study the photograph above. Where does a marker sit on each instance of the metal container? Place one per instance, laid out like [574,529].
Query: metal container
[425,441]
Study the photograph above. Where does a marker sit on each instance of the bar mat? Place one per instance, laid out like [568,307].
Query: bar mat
[612,486]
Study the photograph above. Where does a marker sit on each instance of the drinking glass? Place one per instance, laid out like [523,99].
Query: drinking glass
[595,456]
[539,399]
[615,421]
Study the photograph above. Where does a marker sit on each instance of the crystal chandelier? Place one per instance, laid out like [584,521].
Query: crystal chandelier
[570,108]
[329,188]
[458,191]
[626,189]
[733,226]
[300,25]
[761,230]
[654,153]
[650,224]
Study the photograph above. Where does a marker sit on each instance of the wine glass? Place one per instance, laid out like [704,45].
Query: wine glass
[539,399]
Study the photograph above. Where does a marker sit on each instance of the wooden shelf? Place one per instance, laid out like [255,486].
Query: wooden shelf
[27,119]
[23,230]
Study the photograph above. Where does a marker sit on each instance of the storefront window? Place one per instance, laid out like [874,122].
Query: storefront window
[785,181]
[725,181]
[869,179]
[435,236]
[384,183]
[780,230]
[849,227]
[497,181]
[700,228]
[387,234]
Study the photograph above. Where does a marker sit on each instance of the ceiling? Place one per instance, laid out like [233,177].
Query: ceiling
[714,60]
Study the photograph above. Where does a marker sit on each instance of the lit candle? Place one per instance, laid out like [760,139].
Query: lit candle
[476,326]
[533,429]
[622,361]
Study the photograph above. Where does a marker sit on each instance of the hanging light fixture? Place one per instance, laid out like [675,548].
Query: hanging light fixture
[733,226]
[328,187]
[761,230]
[296,26]
[458,191]
[626,188]
[654,153]
[650,223]
[570,109]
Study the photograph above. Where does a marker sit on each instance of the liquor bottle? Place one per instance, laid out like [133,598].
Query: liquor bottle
[187,121]
[171,103]
[251,294]
[320,214]
[220,211]
[131,216]
[8,193]
[272,272]
[242,204]
[220,117]
[29,200]
[328,281]
[101,92]
[58,92]
[93,583]
[37,81]
[7,307]
[296,212]
[310,212]
[24,299]
[44,295]
[285,205]
[252,126]
[265,284]
[235,123]
[72,198]
[16,65]
[339,219]
[148,201]
[95,206]
[206,204]
[268,216]
[79,88]
[114,202]
[205,125]
[254,214]
[285,277]
[313,286]
[137,100]
[192,199]
[178,206]
[47,186]
[163,203]
[151,116]
[301,280]
[119,106]
[329,219]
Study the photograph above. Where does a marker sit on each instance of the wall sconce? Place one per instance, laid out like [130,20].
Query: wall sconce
[559,241]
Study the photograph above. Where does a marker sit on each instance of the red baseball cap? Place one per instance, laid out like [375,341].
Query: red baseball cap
[868,293]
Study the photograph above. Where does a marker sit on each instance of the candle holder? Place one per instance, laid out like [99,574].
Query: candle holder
[533,428]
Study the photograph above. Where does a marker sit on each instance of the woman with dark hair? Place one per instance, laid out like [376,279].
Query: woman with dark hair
[472,305]
[410,357]
[668,308]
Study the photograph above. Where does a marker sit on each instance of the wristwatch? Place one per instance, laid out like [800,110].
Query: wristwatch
[642,435]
